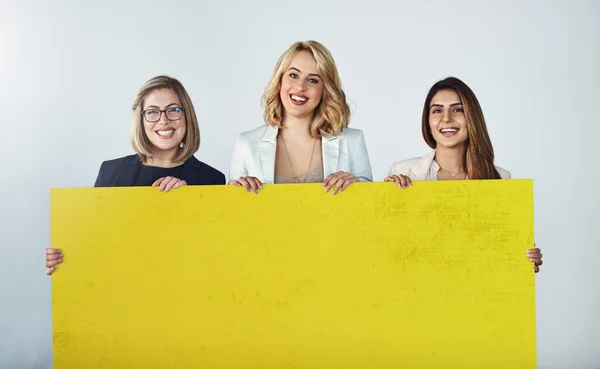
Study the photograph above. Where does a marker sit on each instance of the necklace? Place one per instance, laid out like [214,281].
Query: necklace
[290,160]
[451,173]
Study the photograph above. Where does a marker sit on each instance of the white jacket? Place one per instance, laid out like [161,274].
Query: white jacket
[417,169]
[254,154]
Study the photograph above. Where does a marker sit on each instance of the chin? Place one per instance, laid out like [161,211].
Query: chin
[164,147]
[299,113]
[451,145]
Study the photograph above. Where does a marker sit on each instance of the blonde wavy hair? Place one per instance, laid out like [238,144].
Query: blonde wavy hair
[140,142]
[332,114]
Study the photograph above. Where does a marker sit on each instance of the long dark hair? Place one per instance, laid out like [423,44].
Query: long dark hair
[479,153]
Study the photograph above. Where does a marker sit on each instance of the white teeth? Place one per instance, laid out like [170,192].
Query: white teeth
[298,98]
[444,130]
[166,133]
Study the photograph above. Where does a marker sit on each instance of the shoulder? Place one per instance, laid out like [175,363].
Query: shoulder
[111,170]
[249,141]
[255,134]
[353,137]
[504,174]
[351,134]
[206,170]
[416,168]
[113,164]
[404,166]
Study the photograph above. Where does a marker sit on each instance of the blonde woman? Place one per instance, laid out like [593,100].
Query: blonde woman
[165,136]
[453,126]
[305,139]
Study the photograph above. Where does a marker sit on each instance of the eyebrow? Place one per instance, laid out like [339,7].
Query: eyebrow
[441,106]
[299,71]
[158,107]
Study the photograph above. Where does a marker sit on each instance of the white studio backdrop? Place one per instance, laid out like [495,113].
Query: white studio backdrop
[69,72]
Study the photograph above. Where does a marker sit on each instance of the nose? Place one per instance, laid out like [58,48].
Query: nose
[446,117]
[163,118]
[300,86]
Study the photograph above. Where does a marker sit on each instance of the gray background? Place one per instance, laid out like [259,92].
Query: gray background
[70,71]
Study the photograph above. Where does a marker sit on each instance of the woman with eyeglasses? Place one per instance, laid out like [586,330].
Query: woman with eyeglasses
[165,136]
[453,126]
[305,138]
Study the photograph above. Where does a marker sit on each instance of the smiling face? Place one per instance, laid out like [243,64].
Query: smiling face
[301,86]
[447,119]
[164,120]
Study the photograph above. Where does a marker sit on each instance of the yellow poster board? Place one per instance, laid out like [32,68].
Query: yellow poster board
[434,276]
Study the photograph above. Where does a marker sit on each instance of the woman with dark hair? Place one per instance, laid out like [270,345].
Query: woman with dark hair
[454,127]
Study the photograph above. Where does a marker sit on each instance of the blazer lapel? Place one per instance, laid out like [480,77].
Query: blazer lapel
[268,147]
[331,154]
[190,173]
[421,168]
[128,173]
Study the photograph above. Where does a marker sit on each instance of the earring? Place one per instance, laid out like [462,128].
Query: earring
[181,145]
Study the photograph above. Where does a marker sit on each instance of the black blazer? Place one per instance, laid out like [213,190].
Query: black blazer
[123,172]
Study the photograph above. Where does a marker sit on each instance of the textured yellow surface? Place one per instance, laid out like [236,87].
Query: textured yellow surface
[434,276]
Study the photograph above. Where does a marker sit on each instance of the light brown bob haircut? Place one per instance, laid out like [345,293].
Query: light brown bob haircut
[139,140]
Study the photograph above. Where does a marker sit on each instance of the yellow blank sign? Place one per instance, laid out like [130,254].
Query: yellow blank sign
[434,276]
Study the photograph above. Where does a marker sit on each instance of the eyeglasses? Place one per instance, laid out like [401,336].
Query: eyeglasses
[153,115]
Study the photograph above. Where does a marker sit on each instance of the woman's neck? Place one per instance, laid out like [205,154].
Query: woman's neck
[296,129]
[162,159]
[451,159]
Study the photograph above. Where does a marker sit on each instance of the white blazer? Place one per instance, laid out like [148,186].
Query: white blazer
[417,169]
[254,154]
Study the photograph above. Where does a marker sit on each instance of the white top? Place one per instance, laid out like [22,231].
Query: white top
[425,168]
[254,154]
